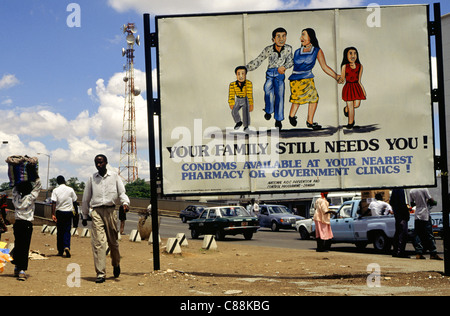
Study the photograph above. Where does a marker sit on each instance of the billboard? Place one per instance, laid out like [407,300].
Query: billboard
[295,101]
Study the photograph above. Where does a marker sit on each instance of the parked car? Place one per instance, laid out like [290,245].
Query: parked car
[305,227]
[224,220]
[276,217]
[191,212]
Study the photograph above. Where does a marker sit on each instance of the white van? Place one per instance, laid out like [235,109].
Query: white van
[336,199]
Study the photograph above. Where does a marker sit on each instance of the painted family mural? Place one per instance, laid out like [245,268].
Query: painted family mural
[295,101]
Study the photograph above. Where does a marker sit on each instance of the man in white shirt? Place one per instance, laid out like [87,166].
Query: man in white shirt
[63,198]
[379,207]
[103,191]
[423,227]
[255,207]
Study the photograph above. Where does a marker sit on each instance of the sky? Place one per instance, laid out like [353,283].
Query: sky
[61,75]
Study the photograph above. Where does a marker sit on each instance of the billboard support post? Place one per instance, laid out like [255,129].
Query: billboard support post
[443,137]
[151,111]
[194,165]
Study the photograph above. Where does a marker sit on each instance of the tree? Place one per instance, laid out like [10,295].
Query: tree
[138,189]
[53,183]
[72,182]
[4,186]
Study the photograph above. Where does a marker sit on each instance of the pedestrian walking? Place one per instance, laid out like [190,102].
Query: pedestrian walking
[24,196]
[63,199]
[423,227]
[322,221]
[255,207]
[103,191]
[402,215]
[76,214]
[3,221]
[3,228]
[122,219]
[3,206]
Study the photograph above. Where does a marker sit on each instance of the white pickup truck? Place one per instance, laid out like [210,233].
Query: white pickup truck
[349,226]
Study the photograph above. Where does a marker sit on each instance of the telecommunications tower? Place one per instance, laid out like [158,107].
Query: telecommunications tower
[128,169]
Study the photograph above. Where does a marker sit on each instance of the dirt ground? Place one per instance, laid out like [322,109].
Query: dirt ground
[231,270]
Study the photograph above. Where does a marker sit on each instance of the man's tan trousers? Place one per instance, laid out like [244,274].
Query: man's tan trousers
[104,233]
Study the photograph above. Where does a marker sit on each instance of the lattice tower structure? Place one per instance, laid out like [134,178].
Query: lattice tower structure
[128,167]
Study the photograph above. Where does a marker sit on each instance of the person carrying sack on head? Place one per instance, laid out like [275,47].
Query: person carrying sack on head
[24,194]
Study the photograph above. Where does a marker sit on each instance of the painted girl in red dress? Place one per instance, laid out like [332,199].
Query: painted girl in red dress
[353,91]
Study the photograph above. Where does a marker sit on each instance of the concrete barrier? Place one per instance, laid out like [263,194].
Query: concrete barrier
[182,241]
[85,233]
[150,239]
[45,229]
[173,246]
[135,236]
[209,242]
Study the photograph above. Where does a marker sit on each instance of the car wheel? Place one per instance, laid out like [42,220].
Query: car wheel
[381,242]
[194,233]
[248,235]
[275,227]
[183,219]
[304,235]
[220,235]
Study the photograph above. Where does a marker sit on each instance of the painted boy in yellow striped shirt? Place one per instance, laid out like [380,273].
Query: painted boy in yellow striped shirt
[240,96]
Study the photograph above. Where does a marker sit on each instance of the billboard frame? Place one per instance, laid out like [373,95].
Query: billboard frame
[249,192]
[154,110]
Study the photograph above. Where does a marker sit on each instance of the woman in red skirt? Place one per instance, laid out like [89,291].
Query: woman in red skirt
[353,92]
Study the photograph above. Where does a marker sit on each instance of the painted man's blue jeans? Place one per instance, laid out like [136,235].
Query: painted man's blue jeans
[274,93]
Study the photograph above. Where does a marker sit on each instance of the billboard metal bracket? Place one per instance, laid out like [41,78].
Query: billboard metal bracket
[156,107]
[435,95]
[153,40]
[432,28]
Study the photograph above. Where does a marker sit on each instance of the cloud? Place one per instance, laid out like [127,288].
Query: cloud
[334,3]
[107,123]
[211,6]
[8,81]
[73,143]
[7,102]
[193,6]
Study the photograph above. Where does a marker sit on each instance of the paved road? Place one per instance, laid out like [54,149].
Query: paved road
[170,227]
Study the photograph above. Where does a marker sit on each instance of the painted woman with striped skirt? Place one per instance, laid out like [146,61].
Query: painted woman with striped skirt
[303,89]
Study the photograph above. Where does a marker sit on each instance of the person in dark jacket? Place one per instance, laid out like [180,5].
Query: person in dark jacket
[401,214]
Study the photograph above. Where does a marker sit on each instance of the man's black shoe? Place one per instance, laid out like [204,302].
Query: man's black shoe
[99,280]
[278,125]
